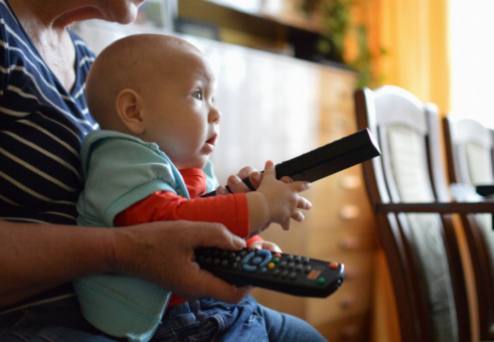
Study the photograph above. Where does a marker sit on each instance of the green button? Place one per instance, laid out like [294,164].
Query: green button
[321,280]
[275,260]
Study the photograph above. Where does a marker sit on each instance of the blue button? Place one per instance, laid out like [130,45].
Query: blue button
[249,268]
[256,260]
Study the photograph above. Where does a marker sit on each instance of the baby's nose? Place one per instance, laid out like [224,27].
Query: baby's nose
[214,115]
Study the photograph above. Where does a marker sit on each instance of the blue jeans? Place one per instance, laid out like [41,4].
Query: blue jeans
[200,320]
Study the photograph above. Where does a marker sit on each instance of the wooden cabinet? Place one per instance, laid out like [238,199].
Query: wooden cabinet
[340,227]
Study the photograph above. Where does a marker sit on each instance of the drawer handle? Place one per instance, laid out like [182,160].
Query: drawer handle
[350,182]
[349,243]
[349,212]
[346,303]
[349,332]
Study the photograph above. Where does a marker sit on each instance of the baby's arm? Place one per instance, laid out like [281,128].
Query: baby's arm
[229,210]
[245,214]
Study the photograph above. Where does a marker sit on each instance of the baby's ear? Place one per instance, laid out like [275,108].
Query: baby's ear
[129,109]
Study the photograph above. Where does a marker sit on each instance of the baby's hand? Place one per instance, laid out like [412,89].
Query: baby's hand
[282,198]
[235,183]
[269,245]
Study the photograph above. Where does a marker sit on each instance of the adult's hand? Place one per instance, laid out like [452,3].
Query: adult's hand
[163,252]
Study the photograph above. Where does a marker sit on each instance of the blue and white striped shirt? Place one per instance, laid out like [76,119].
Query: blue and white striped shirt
[41,129]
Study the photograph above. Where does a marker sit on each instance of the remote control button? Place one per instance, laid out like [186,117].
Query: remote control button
[334,265]
[265,255]
[256,260]
[271,266]
[321,281]
[313,274]
[249,268]
[293,275]
[248,257]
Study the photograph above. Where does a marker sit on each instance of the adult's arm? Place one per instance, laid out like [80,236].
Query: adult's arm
[34,258]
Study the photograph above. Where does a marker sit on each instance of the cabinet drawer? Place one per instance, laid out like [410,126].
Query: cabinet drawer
[350,329]
[351,298]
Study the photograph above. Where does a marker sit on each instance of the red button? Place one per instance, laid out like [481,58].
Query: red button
[333,265]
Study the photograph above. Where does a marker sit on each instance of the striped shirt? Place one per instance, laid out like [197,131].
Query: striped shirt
[41,129]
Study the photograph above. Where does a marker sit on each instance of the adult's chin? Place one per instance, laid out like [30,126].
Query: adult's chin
[120,11]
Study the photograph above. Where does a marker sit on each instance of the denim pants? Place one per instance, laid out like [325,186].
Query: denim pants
[199,320]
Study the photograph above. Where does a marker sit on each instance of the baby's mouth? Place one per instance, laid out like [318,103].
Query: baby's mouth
[212,140]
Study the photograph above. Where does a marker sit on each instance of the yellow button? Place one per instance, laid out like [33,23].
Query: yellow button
[271,265]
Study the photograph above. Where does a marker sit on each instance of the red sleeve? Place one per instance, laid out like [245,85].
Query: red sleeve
[230,210]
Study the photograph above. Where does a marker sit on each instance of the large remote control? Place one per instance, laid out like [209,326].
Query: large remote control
[326,160]
[292,274]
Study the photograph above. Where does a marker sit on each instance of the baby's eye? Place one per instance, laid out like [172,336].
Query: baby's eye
[198,94]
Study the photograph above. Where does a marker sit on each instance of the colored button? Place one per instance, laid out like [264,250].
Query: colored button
[249,268]
[313,274]
[271,266]
[275,260]
[333,265]
[321,280]
[256,260]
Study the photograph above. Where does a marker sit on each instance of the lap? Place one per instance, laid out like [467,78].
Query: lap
[201,320]
[245,321]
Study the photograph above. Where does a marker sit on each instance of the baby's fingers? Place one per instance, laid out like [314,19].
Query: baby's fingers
[269,170]
[298,216]
[285,224]
[299,186]
[303,203]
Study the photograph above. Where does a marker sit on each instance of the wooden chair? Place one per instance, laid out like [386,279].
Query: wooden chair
[407,189]
[470,149]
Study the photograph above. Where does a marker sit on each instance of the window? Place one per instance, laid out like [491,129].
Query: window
[472,59]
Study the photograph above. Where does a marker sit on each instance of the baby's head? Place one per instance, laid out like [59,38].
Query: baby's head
[158,88]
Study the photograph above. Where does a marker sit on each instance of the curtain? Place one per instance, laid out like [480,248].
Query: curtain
[414,35]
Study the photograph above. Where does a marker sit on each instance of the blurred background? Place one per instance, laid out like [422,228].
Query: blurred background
[287,70]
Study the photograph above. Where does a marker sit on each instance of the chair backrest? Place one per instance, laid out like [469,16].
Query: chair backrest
[421,251]
[470,148]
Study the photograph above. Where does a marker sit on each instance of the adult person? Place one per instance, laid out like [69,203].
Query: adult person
[43,118]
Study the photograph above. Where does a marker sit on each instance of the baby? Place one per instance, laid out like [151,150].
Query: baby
[153,96]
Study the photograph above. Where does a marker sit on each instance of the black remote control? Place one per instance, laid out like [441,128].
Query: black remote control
[485,189]
[292,274]
[326,160]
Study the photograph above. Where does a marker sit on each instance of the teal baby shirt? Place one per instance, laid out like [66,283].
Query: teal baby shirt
[120,170]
